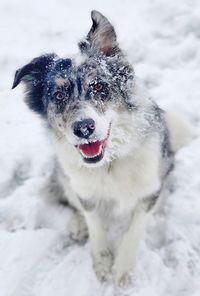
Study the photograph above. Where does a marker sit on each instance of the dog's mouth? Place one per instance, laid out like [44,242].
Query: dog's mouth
[93,152]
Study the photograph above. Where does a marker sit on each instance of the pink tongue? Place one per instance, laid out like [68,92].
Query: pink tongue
[91,149]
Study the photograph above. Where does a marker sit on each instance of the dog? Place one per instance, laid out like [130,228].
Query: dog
[114,145]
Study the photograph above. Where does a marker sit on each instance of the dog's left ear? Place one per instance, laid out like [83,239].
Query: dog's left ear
[102,36]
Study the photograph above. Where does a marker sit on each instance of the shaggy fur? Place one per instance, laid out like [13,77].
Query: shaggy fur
[112,141]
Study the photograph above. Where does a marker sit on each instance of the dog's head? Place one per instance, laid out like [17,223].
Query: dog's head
[88,102]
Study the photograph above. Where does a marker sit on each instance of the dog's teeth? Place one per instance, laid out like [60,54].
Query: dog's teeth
[86,156]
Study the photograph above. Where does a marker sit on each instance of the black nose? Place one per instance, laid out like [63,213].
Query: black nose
[84,128]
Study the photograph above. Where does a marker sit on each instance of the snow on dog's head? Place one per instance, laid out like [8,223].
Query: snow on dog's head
[87,104]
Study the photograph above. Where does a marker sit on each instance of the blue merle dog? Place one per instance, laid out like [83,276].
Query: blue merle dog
[115,146]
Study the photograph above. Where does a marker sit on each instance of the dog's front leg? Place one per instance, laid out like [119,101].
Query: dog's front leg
[127,252]
[102,256]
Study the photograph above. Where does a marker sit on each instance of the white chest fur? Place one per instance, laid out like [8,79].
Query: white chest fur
[124,181]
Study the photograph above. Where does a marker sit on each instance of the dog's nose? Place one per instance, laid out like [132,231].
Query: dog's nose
[84,128]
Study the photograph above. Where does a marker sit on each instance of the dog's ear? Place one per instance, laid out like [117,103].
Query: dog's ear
[101,37]
[35,70]
[34,76]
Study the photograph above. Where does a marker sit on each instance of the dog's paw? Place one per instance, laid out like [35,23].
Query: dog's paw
[124,280]
[78,229]
[122,275]
[103,265]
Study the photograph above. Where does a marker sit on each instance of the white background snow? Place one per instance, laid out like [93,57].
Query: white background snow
[162,39]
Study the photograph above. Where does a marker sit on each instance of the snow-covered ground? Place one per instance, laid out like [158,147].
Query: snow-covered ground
[162,38]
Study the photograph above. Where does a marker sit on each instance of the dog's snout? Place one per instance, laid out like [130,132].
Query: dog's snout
[84,128]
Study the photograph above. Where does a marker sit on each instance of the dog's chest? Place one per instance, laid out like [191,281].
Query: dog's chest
[126,180]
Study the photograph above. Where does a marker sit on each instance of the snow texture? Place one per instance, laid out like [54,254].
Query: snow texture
[162,39]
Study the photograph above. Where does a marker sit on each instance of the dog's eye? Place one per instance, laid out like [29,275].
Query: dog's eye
[98,86]
[59,96]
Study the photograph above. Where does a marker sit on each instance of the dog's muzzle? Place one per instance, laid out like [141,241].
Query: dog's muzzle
[92,151]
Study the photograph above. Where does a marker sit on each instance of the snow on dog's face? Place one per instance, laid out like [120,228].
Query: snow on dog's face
[87,103]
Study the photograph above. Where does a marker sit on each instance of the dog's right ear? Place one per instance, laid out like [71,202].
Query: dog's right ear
[35,70]
[34,76]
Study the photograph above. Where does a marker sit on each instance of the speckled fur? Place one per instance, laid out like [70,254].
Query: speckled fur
[138,154]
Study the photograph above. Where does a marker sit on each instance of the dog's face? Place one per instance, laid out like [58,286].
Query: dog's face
[86,101]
